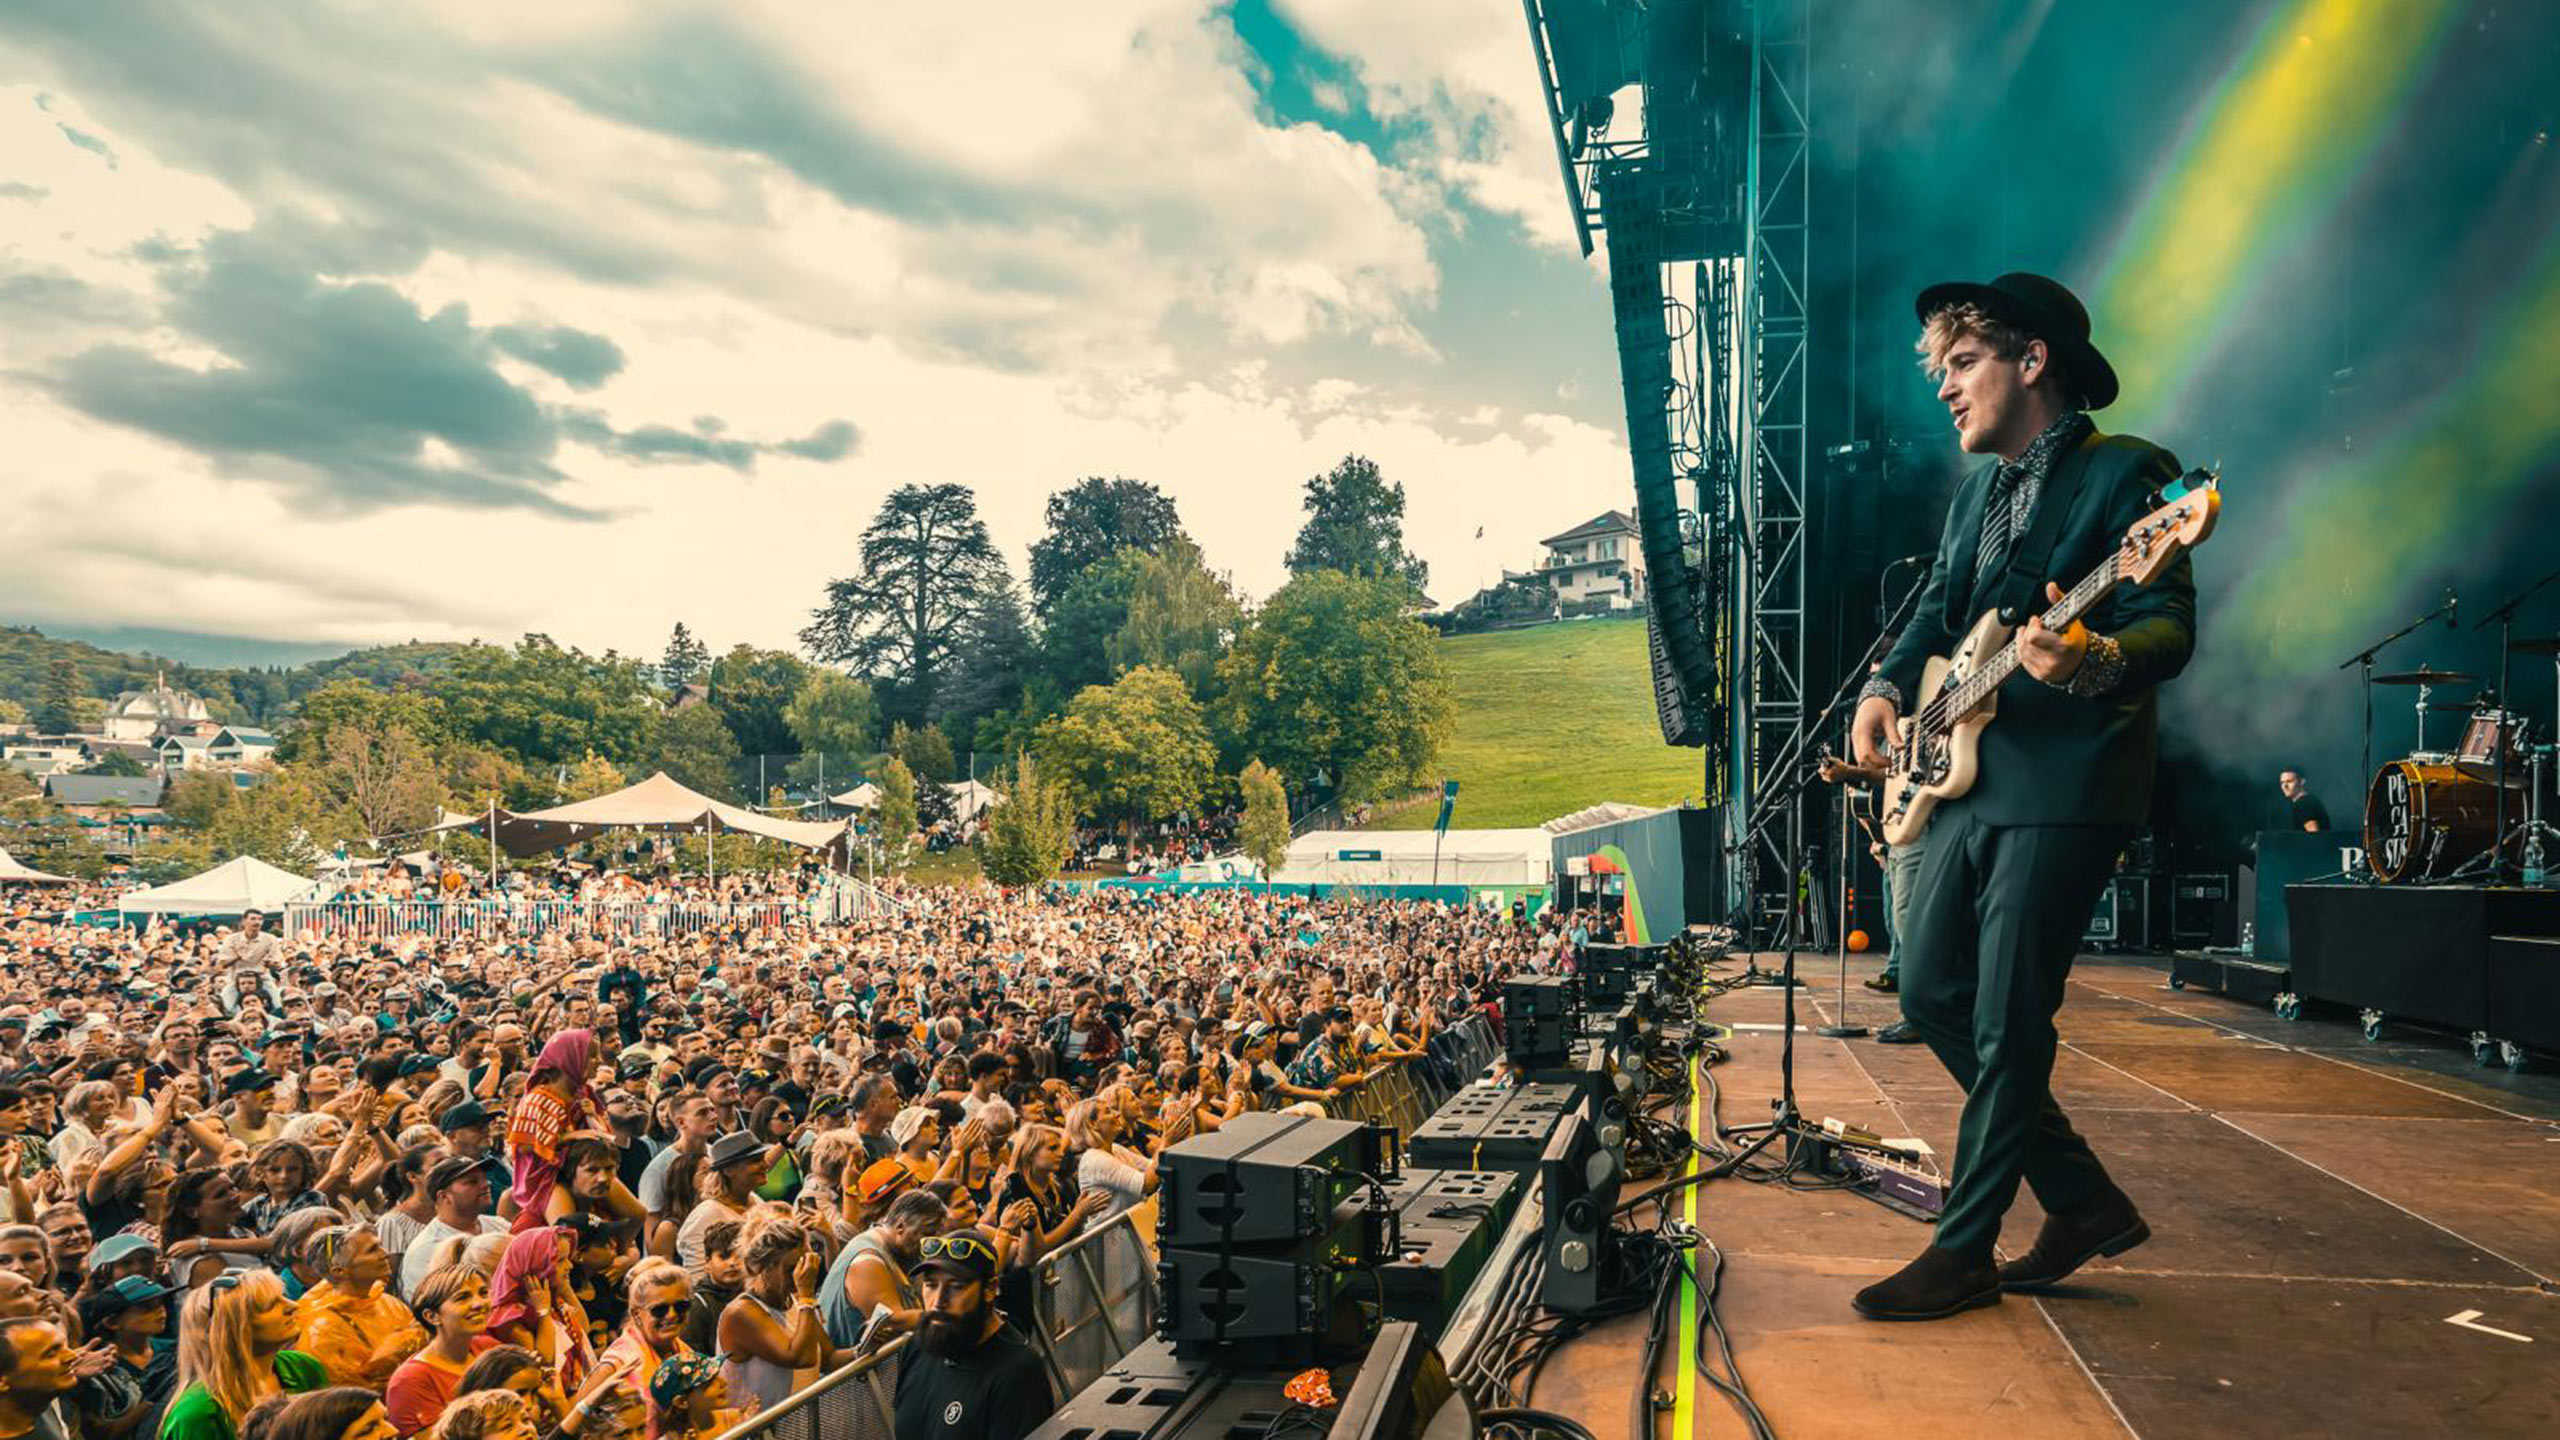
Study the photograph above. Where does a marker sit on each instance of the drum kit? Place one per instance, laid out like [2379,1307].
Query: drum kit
[2435,815]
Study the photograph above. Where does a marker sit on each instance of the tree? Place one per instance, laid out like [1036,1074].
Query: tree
[547,706]
[1331,676]
[694,746]
[893,815]
[1090,521]
[197,796]
[116,762]
[1136,749]
[364,706]
[833,714]
[927,564]
[1180,615]
[996,659]
[751,689]
[384,779]
[58,705]
[15,784]
[477,777]
[1032,830]
[288,818]
[1264,831]
[1075,647]
[11,712]
[592,776]
[685,661]
[1355,524]
[926,752]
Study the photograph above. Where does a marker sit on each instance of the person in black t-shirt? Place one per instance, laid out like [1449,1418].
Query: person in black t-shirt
[977,1378]
[2303,809]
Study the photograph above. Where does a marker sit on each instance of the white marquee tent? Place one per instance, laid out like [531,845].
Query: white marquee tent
[14,873]
[657,803]
[229,888]
[1403,857]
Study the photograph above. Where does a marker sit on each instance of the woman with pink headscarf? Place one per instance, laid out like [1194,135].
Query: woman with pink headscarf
[532,1304]
[558,1100]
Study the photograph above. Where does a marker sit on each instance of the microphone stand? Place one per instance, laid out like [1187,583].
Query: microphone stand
[2364,658]
[1786,1118]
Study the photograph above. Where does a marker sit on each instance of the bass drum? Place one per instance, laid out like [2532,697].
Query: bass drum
[2423,821]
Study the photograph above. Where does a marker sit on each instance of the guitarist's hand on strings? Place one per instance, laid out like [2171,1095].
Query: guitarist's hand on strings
[1874,730]
[2050,656]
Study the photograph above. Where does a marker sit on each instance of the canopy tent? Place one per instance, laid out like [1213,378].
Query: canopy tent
[1607,812]
[14,873]
[860,797]
[1404,857]
[657,803]
[969,799]
[229,888]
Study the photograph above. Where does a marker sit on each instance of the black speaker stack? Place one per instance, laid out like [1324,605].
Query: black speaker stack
[1262,1222]
[1163,1391]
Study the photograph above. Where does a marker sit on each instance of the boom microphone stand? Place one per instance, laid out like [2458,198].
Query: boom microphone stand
[2364,658]
[1787,1119]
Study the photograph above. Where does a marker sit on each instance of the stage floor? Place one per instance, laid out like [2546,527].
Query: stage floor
[2326,1213]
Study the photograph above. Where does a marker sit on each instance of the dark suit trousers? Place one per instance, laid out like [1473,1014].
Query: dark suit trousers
[1995,925]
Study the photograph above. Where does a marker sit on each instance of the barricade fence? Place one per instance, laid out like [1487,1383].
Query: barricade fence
[356,919]
[1094,1300]
[853,1402]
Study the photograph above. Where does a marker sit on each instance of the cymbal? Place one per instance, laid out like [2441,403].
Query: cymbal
[2538,645]
[2424,676]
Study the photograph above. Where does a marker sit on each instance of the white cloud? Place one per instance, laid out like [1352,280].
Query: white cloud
[1123,244]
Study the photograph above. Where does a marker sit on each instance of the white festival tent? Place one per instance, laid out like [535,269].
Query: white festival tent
[1404,857]
[969,799]
[229,888]
[657,803]
[12,872]
[860,797]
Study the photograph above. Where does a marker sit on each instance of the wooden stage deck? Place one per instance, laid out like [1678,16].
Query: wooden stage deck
[2327,1212]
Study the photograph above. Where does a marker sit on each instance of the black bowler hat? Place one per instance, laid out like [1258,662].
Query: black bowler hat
[2045,309]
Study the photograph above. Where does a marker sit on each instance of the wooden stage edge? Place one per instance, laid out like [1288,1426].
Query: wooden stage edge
[2351,1237]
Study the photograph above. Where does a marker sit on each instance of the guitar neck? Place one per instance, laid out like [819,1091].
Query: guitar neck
[2083,598]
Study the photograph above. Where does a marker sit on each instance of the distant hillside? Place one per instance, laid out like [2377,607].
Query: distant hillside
[189,647]
[1551,719]
[259,694]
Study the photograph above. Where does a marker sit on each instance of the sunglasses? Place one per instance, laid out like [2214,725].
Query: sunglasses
[673,1309]
[958,1247]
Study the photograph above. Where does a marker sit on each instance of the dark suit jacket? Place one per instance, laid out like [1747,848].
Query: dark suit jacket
[2052,758]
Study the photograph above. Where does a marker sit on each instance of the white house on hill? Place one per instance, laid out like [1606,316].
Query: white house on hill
[1597,564]
[149,714]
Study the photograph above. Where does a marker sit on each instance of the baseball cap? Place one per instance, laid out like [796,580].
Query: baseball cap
[119,1247]
[463,1116]
[882,1179]
[449,1170]
[126,1294]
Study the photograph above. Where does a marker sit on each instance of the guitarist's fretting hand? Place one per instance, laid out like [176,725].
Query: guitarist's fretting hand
[2050,657]
[1874,730]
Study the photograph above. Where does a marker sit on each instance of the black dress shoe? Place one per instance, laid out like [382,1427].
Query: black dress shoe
[1898,1033]
[1938,1284]
[2110,1227]
[1881,984]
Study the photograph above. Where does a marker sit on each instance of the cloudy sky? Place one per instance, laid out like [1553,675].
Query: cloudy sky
[358,322]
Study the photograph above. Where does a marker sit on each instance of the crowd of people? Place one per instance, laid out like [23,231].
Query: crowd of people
[291,1187]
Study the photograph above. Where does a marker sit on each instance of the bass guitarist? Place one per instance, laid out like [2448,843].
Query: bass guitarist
[2013,868]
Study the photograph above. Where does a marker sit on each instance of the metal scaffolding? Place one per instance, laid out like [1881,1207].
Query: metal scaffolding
[1770,578]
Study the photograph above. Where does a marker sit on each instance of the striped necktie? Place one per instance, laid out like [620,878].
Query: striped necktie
[1998,512]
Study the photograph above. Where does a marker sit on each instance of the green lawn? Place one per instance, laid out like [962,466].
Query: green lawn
[1549,720]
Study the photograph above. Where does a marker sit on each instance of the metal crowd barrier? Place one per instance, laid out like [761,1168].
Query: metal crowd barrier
[1094,1301]
[356,919]
[854,1402]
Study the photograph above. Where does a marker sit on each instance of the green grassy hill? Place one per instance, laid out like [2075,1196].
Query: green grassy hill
[1549,720]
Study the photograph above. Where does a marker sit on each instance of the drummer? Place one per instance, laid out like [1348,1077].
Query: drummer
[2307,812]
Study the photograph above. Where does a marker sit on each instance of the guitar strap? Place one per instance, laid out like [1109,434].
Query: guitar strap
[2019,591]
